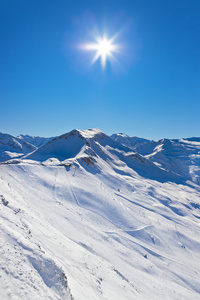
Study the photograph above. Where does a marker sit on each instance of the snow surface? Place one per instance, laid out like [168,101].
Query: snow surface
[179,156]
[84,217]
[37,141]
[129,141]
[12,147]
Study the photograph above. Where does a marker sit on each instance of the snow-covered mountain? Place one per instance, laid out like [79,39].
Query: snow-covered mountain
[94,146]
[85,217]
[179,156]
[37,141]
[12,147]
[129,141]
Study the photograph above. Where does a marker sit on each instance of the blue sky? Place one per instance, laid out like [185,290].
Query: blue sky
[48,85]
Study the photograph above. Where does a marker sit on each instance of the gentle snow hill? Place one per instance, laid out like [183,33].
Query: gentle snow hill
[89,221]
[91,145]
[12,147]
[37,141]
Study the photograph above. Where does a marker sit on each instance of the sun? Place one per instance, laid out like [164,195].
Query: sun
[103,49]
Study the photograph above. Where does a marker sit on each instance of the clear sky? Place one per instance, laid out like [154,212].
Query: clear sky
[48,85]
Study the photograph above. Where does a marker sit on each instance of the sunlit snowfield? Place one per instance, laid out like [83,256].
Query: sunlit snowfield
[85,217]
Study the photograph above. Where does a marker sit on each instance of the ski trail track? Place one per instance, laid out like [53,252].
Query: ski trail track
[73,196]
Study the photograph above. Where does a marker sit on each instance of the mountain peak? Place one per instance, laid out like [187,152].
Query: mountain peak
[88,133]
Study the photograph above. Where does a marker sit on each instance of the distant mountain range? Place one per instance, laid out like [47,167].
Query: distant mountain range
[180,157]
[36,141]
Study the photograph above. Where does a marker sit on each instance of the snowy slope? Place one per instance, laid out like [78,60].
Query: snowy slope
[92,146]
[11,147]
[85,216]
[37,141]
[179,156]
[129,141]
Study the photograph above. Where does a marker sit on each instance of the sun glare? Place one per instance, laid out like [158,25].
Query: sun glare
[104,49]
